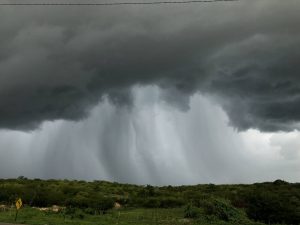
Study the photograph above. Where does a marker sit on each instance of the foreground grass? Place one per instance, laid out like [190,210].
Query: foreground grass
[33,216]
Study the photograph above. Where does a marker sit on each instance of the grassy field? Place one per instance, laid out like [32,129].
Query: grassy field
[174,216]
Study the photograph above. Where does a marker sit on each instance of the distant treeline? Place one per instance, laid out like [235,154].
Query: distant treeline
[270,202]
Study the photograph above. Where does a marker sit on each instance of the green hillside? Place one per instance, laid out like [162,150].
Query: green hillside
[101,202]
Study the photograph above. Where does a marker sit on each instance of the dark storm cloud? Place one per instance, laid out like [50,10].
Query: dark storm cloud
[262,90]
[55,63]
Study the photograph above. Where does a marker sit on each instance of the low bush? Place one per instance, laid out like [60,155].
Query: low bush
[220,208]
[191,212]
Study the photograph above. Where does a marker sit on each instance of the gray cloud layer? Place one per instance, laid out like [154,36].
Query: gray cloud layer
[56,63]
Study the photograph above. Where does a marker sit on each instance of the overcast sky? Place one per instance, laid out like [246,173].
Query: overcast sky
[159,94]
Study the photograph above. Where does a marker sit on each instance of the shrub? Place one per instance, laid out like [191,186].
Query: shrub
[89,211]
[102,204]
[171,202]
[191,212]
[79,214]
[270,207]
[151,203]
[221,209]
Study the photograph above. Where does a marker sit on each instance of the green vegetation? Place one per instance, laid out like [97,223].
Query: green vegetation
[81,202]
